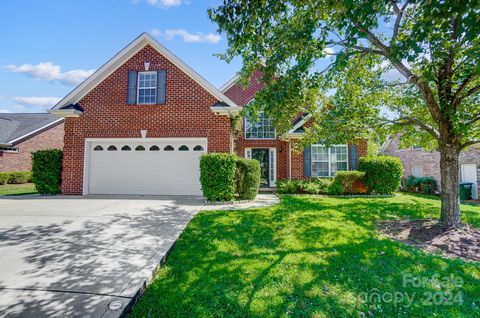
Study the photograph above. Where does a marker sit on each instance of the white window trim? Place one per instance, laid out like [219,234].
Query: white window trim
[138,88]
[272,160]
[250,138]
[329,159]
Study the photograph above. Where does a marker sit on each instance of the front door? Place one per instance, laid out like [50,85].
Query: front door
[262,155]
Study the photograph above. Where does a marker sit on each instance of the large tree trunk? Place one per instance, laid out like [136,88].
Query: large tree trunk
[449,172]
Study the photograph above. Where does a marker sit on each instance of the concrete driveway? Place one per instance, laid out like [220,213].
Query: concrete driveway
[75,256]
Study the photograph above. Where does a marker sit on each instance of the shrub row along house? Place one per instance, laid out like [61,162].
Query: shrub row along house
[421,163]
[22,134]
[140,123]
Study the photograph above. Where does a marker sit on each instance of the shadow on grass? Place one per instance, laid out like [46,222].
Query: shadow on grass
[305,257]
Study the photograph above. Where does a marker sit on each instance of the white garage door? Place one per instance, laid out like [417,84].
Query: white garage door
[153,167]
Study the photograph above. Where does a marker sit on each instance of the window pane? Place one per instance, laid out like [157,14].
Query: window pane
[260,129]
[338,166]
[320,169]
[147,88]
[319,153]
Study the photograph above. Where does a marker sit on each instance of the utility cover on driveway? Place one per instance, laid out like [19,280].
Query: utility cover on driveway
[83,257]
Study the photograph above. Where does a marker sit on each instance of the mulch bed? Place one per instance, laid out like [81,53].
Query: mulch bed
[428,235]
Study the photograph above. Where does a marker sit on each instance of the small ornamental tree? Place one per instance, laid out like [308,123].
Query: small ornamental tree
[409,67]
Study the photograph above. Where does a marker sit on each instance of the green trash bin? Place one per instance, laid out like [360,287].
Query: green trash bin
[465,189]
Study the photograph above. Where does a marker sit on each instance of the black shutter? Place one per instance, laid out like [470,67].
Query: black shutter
[353,157]
[132,88]
[161,83]
[307,162]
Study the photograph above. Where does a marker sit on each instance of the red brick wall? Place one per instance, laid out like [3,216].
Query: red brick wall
[21,161]
[242,95]
[106,115]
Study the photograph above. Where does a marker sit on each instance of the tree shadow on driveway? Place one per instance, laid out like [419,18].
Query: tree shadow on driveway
[73,256]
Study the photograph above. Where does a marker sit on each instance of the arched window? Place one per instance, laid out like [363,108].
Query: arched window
[183,148]
[112,148]
[154,148]
[198,148]
[168,148]
[98,148]
[126,148]
[140,148]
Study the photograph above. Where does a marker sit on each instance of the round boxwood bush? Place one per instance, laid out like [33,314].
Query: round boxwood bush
[382,173]
[218,176]
[248,178]
[47,171]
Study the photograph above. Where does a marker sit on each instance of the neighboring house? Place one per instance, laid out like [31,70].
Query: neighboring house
[22,134]
[139,124]
[422,163]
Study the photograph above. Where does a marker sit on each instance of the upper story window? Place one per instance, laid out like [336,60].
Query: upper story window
[327,161]
[260,129]
[147,88]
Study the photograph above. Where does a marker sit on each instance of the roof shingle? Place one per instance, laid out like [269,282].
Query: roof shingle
[15,125]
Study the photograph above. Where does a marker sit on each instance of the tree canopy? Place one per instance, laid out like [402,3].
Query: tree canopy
[390,66]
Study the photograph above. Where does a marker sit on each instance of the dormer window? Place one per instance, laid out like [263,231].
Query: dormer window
[147,88]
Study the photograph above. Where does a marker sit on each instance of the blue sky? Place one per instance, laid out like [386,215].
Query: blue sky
[49,46]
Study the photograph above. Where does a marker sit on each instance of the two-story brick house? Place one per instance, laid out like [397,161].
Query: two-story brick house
[139,124]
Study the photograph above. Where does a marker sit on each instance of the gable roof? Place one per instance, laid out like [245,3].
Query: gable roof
[15,127]
[120,58]
[229,83]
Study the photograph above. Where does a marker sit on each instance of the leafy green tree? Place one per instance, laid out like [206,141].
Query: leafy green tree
[409,67]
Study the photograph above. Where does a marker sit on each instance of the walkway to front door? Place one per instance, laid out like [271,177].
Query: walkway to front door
[262,156]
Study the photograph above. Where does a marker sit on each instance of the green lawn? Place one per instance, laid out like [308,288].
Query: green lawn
[17,189]
[309,257]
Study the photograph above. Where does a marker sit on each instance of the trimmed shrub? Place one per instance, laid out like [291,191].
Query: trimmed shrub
[248,178]
[47,171]
[312,186]
[347,179]
[20,177]
[425,185]
[335,188]
[382,173]
[217,176]
[4,177]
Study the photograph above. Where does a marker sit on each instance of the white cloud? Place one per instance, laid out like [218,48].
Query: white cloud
[4,111]
[48,71]
[329,51]
[162,3]
[44,102]
[186,36]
